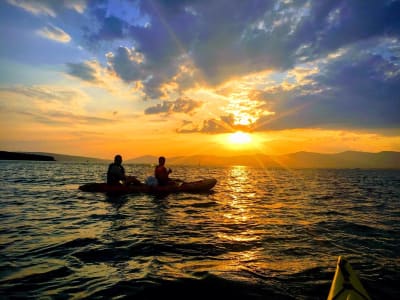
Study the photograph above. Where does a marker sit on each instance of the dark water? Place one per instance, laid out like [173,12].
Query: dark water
[262,234]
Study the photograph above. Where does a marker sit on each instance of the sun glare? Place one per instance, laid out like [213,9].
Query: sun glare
[239,137]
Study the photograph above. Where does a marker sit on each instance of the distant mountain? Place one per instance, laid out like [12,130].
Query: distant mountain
[63,157]
[343,160]
[5,155]
[146,159]
[348,159]
[71,158]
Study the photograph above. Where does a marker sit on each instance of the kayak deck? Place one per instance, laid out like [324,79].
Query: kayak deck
[199,186]
[346,284]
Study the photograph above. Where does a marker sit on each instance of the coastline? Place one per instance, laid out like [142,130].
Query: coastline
[5,155]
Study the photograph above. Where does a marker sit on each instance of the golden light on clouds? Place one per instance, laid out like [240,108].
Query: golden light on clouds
[54,33]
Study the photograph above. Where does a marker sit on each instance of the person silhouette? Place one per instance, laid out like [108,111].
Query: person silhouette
[161,172]
[116,173]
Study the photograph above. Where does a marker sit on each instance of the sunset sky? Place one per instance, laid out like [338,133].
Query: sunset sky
[224,77]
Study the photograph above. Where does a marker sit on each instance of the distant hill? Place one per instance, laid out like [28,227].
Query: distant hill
[300,160]
[146,159]
[5,155]
[42,156]
[348,159]
[71,158]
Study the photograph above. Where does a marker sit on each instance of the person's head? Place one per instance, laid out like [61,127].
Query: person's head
[161,160]
[118,159]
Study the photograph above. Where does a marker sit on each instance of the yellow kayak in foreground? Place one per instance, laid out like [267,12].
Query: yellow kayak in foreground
[346,285]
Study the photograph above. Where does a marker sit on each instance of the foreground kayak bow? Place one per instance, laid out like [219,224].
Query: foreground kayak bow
[346,285]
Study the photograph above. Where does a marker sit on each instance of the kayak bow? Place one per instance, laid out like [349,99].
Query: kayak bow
[346,285]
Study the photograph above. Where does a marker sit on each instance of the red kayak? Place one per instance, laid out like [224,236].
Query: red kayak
[199,186]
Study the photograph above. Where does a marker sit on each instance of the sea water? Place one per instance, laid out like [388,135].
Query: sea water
[260,234]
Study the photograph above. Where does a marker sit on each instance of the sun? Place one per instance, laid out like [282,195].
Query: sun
[239,138]
[240,142]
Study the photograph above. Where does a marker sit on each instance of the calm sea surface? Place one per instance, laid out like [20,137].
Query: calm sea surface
[262,234]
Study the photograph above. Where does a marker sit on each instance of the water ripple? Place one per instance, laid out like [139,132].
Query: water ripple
[262,234]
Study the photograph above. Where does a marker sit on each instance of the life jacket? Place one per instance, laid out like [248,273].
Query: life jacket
[115,173]
[161,173]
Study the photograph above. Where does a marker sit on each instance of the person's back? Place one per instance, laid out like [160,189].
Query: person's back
[161,172]
[116,172]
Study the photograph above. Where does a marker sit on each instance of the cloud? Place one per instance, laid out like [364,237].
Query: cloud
[43,102]
[110,28]
[356,90]
[77,5]
[223,124]
[54,33]
[48,7]
[35,7]
[126,63]
[43,93]
[227,39]
[86,71]
[63,118]
[96,75]
[181,105]
[168,48]
[335,24]
[174,31]
[49,105]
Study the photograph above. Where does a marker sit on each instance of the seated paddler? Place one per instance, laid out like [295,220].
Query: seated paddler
[116,173]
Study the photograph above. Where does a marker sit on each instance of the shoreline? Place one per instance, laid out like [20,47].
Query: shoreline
[5,155]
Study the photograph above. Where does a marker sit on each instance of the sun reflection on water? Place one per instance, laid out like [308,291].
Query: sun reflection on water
[238,184]
[250,214]
[237,215]
[238,178]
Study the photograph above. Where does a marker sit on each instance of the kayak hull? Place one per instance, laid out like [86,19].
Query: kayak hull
[345,284]
[199,186]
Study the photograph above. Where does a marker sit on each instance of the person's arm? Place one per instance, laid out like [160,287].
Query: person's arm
[166,172]
[122,174]
[156,172]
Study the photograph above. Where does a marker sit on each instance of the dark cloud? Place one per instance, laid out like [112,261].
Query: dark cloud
[111,28]
[357,90]
[159,108]
[126,63]
[334,24]
[223,124]
[228,38]
[184,28]
[214,126]
[102,26]
[186,105]
[208,126]
[84,71]
[181,105]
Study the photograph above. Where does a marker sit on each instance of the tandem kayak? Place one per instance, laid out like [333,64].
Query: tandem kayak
[346,285]
[199,186]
